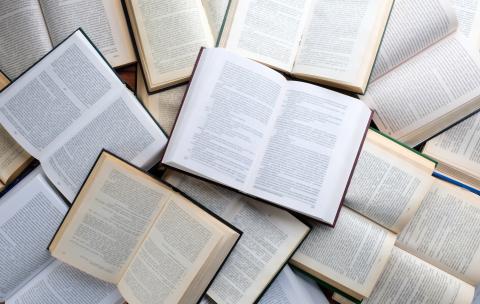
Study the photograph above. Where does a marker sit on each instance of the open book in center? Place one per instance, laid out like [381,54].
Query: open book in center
[129,229]
[245,126]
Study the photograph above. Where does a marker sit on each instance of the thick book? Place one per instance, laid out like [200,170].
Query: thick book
[168,35]
[457,151]
[328,42]
[131,230]
[270,237]
[427,75]
[398,224]
[69,106]
[31,28]
[247,127]
[29,216]
[13,159]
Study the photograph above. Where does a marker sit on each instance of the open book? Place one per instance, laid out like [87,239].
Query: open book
[457,151]
[270,237]
[245,126]
[31,28]
[387,187]
[13,159]
[70,106]
[329,42]
[168,35]
[292,288]
[468,14]
[426,77]
[131,230]
[29,216]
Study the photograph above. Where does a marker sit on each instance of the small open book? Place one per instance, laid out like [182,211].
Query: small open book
[426,76]
[132,230]
[13,159]
[247,127]
[457,151]
[69,106]
[328,42]
[168,35]
[31,28]
[29,216]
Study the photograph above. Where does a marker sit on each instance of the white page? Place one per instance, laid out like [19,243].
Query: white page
[422,91]
[215,10]
[29,216]
[307,160]
[270,236]
[62,284]
[239,98]
[24,36]
[468,13]
[291,288]
[413,26]
[71,97]
[268,31]
[102,20]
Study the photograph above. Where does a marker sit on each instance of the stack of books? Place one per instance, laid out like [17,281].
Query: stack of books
[270,151]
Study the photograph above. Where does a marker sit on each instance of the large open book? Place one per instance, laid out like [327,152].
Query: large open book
[387,188]
[270,237]
[457,151]
[13,159]
[29,216]
[168,35]
[131,230]
[70,106]
[31,28]
[426,77]
[245,126]
[328,42]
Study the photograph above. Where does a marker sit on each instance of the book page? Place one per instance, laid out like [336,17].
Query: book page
[109,220]
[102,20]
[407,279]
[173,253]
[290,288]
[356,265]
[387,187]
[413,26]
[164,106]
[311,149]
[29,216]
[225,117]
[468,13]
[270,236]
[4,81]
[169,35]
[458,147]
[439,87]
[12,157]
[62,284]
[72,105]
[25,37]
[444,231]
[215,10]
[268,31]
[341,39]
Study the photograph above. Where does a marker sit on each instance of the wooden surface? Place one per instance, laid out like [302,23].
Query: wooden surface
[129,75]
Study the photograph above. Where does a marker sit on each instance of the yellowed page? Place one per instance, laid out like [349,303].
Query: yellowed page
[164,105]
[389,182]
[407,279]
[109,220]
[12,157]
[350,256]
[169,35]
[172,254]
[3,81]
[444,231]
